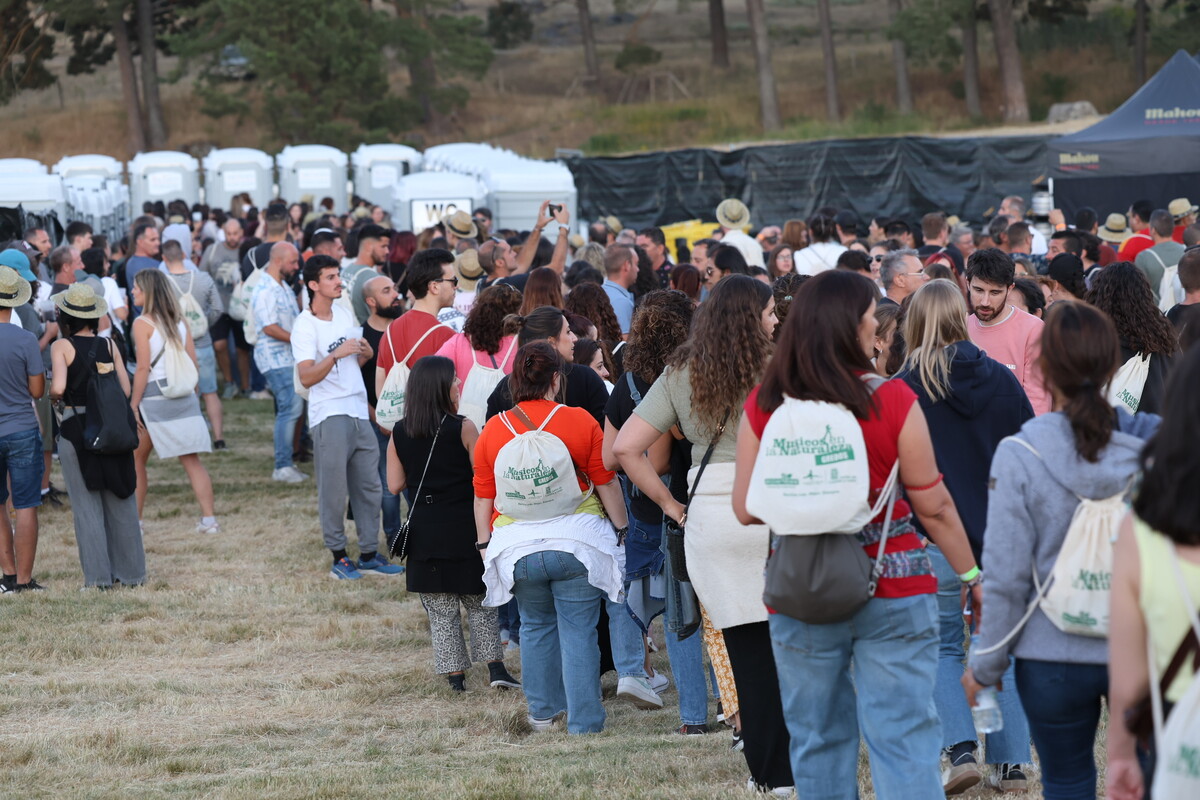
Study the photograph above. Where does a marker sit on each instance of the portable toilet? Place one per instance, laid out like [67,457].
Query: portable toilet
[423,198]
[230,171]
[92,164]
[377,168]
[37,194]
[22,166]
[464,157]
[314,169]
[517,187]
[164,175]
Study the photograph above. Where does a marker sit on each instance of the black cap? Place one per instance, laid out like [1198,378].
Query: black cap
[1065,266]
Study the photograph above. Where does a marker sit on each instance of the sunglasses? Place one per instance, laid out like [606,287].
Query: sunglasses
[877,259]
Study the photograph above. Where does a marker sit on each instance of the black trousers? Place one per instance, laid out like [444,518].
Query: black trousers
[764,730]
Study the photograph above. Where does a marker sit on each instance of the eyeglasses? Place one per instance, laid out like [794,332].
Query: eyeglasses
[877,258]
[922,274]
[453,280]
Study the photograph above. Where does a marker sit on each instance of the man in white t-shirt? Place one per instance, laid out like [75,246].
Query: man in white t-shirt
[734,218]
[329,351]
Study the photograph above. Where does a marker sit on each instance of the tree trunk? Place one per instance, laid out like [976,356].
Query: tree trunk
[1139,41]
[1004,32]
[970,41]
[718,34]
[904,96]
[589,39]
[768,97]
[129,88]
[156,129]
[833,105]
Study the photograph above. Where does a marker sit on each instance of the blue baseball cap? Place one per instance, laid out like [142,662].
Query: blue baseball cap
[19,262]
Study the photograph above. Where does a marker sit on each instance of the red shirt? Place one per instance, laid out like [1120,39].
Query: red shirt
[405,332]
[1135,244]
[881,433]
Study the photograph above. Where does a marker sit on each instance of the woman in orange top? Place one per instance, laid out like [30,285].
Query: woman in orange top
[558,567]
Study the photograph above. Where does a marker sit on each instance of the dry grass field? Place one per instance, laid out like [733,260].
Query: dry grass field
[240,670]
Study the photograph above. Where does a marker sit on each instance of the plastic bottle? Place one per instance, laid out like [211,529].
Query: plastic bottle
[986,711]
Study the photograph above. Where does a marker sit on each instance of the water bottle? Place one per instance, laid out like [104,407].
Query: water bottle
[986,712]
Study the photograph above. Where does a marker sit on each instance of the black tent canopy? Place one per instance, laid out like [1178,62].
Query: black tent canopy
[1148,148]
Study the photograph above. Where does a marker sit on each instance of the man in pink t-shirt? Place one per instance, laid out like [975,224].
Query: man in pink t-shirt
[1002,331]
[432,281]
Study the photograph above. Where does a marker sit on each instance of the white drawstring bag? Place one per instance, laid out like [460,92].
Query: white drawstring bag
[1127,385]
[389,407]
[478,387]
[190,308]
[535,474]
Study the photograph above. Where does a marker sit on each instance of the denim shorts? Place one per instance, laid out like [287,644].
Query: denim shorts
[22,462]
[206,360]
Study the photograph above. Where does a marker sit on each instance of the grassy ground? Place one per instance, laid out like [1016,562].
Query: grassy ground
[242,671]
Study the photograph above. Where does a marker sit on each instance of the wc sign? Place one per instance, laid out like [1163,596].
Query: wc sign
[427,213]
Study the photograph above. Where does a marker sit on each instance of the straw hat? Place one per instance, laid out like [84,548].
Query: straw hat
[14,290]
[613,224]
[460,224]
[1181,207]
[79,300]
[468,269]
[733,214]
[1115,229]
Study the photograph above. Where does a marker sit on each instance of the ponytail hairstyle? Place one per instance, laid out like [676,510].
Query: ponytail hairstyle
[159,304]
[534,369]
[1080,354]
[538,325]
[312,273]
[821,228]
[1166,502]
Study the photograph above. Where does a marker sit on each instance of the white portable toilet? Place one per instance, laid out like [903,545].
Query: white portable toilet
[423,198]
[37,194]
[230,171]
[91,164]
[22,166]
[164,175]
[378,167]
[517,187]
[314,169]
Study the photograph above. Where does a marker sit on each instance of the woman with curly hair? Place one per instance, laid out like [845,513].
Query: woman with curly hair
[483,353]
[1122,291]
[702,392]
[660,325]
[591,302]
[544,288]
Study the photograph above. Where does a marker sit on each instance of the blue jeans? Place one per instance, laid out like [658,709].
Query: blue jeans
[288,408]
[891,646]
[390,502]
[510,618]
[1007,746]
[560,655]
[687,665]
[22,462]
[625,637]
[1062,703]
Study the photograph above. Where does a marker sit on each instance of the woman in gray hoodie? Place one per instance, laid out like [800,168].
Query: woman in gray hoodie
[1084,449]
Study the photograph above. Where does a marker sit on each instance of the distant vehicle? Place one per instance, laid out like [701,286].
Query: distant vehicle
[233,64]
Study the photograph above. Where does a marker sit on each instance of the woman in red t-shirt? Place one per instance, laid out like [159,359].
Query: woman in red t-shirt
[878,667]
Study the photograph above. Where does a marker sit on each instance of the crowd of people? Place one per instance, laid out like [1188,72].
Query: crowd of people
[804,447]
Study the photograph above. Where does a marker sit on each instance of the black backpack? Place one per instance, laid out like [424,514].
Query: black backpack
[109,427]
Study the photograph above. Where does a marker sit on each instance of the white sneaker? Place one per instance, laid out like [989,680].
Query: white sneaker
[778,791]
[288,475]
[542,725]
[202,528]
[639,692]
[262,394]
[658,682]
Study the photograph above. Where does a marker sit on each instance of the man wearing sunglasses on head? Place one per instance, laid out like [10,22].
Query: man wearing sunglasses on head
[417,333]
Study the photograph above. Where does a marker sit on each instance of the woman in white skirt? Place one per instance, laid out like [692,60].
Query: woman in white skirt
[174,427]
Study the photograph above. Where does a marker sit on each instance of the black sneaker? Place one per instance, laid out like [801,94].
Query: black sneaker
[32,586]
[457,682]
[738,744]
[692,730]
[499,677]
[8,585]
[219,444]
[1008,778]
[962,774]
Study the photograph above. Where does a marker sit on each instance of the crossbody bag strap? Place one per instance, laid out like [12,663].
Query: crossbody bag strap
[703,464]
[413,349]
[421,483]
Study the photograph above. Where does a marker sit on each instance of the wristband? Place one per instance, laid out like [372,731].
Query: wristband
[924,488]
[970,574]
[482,545]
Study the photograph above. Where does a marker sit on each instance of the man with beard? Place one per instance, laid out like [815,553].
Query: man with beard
[1003,331]
[385,305]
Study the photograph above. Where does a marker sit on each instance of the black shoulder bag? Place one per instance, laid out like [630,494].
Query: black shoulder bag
[674,532]
[109,427]
[398,539]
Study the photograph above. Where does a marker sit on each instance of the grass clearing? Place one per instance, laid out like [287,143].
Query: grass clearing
[242,671]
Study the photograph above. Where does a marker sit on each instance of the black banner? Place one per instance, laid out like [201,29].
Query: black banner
[902,177]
